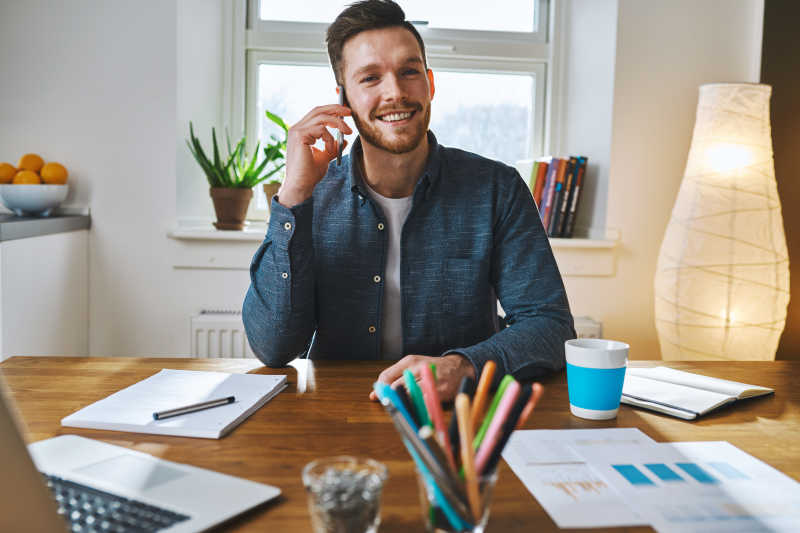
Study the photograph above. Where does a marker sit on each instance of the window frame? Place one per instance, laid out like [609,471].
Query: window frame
[251,41]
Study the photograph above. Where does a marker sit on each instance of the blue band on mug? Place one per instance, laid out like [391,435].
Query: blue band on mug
[595,388]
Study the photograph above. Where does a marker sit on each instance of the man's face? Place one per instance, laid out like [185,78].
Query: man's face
[387,88]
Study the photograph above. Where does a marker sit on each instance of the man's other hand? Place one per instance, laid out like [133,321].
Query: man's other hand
[450,370]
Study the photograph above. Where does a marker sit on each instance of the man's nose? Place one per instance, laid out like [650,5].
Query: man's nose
[393,89]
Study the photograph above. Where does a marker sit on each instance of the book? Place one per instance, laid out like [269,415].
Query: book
[563,205]
[532,177]
[558,192]
[682,394]
[132,408]
[569,224]
[541,173]
[549,189]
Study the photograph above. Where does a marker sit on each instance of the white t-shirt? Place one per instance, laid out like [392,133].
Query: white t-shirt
[396,211]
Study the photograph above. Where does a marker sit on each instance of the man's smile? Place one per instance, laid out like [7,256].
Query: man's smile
[396,116]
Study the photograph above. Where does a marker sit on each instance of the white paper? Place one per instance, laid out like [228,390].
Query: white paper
[551,466]
[132,408]
[698,381]
[701,487]
[695,400]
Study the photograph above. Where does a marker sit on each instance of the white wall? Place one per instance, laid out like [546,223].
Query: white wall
[199,91]
[587,45]
[664,51]
[96,86]
[93,84]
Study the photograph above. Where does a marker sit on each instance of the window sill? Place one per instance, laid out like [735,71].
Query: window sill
[254,231]
[198,245]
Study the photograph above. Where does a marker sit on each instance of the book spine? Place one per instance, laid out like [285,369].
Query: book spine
[547,198]
[569,225]
[532,177]
[540,179]
[563,206]
[557,194]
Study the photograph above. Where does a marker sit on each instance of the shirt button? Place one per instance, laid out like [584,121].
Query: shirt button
[284,275]
[372,329]
[376,279]
[380,226]
[287,226]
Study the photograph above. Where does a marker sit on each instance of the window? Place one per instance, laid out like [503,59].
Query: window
[490,67]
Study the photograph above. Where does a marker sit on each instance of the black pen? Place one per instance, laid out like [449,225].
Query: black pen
[160,415]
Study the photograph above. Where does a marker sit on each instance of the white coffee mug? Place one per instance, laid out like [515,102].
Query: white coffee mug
[595,374]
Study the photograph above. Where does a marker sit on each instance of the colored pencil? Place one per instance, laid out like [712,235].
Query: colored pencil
[482,394]
[467,457]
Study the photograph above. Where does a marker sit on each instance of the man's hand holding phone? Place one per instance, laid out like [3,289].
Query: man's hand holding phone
[306,165]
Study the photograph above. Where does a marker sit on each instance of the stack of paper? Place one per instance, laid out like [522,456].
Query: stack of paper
[619,477]
[132,408]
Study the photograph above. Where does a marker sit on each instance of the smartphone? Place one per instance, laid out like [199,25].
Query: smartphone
[339,135]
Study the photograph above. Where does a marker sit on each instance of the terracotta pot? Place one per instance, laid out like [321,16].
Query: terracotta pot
[270,190]
[231,206]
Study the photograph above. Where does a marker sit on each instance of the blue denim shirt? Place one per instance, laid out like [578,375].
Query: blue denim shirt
[473,235]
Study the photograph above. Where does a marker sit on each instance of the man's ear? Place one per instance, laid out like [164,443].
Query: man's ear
[430,82]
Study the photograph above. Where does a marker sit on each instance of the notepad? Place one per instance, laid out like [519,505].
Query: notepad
[682,394]
[132,408]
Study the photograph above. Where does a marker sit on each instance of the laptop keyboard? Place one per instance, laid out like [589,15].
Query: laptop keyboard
[91,510]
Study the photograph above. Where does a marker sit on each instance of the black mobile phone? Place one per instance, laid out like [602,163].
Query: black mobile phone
[339,135]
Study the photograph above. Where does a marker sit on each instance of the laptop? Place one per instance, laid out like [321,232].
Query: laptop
[78,484]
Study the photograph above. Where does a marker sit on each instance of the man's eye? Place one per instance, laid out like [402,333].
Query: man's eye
[368,79]
[411,72]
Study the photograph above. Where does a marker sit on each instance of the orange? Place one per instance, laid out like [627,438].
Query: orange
[54,173]
[30,162]
[7,172]
[27,177]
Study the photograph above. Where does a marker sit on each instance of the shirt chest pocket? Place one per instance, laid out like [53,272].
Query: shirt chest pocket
[465,283]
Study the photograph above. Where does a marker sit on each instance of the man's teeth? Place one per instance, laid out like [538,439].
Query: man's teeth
[393,117]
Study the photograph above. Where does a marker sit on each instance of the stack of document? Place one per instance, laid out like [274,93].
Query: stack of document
[620,477]
[132,408]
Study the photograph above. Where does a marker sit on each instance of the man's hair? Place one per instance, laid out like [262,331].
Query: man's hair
[363,16]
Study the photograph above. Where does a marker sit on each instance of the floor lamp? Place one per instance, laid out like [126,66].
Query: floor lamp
[722,278]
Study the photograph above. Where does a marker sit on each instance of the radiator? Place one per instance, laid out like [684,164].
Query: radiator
[219,334]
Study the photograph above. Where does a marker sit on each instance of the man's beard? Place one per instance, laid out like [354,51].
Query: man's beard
[373,135]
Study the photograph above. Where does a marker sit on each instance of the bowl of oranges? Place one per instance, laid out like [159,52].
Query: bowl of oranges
[33,187]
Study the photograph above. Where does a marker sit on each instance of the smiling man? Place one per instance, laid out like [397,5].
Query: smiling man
[401,252]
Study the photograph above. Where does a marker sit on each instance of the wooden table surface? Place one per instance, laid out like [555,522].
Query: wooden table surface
[275,442]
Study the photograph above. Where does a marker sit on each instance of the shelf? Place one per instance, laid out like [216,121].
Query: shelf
[207,232]
[583,243]
[255,231]
[197,244]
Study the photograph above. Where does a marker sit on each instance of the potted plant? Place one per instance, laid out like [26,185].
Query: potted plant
[231,181]
[275,152]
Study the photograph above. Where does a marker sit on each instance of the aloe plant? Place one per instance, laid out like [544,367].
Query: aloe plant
[217,172]
[240,170]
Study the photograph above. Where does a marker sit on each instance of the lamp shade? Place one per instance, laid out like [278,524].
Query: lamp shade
[722,278]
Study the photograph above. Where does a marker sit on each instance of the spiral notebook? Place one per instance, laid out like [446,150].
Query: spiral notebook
[132,408]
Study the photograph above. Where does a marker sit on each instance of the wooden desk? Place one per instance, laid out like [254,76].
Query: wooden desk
[274,443]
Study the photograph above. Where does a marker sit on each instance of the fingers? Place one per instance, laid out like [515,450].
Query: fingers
[395,372]
[321,116]
[393,375]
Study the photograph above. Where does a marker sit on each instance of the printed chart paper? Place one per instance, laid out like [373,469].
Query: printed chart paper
[702,487]
[550,464]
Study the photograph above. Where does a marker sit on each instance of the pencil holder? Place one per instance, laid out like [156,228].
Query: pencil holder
[440,516]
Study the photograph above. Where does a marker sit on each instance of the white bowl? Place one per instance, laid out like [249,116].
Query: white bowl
[36,200]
